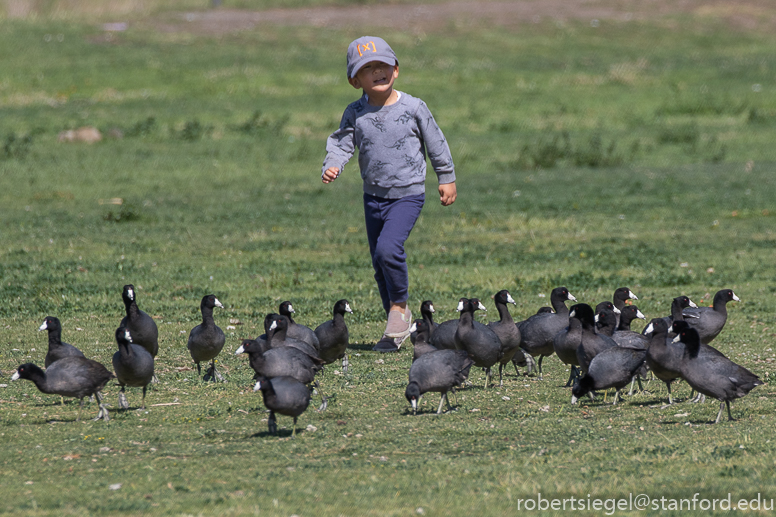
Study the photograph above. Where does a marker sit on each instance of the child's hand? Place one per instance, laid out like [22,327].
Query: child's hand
[447,193]
[330,174]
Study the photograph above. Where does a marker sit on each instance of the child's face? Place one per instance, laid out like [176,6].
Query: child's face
[376,78]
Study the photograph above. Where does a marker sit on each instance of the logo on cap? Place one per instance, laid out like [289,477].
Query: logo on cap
[365,48]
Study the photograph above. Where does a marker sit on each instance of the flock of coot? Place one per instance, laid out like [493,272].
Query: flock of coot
[597,344]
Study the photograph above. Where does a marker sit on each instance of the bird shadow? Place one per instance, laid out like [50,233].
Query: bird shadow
[697,421]
[430,412]
[282,433]
[41,423]
[120,411]
[366,346]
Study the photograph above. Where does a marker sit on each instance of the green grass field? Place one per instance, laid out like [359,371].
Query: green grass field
[590,155]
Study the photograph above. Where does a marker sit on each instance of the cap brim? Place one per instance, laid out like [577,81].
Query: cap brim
[358,65]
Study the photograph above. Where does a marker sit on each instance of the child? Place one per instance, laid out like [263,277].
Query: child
[393,132]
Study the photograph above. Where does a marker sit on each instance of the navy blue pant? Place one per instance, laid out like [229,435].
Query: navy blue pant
[388,224]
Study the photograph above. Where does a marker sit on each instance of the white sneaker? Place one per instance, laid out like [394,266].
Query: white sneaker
[399,324]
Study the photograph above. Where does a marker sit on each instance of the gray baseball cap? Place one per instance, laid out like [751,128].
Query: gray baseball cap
[366,49]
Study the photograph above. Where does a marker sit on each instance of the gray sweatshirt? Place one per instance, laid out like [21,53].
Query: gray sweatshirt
[392,143]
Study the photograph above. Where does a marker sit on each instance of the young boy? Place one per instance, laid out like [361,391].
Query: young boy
[393,132]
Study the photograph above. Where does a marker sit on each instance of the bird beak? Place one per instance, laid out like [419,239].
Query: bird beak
[640,315]
[257,387]
[274,325]
[460,307]
[571,297]
[414,406]
[692,304]
[431,308]
[15,376]
[596,318]
[650,329]
[510,299]
[572,313]
[127,336]
[574,399]
[617,311]
[219,304]
[240,350]
[736,298]
[632,296]
[43,327]
[348,309]
[482,307]
[413,328]
[676,339]
[291,309]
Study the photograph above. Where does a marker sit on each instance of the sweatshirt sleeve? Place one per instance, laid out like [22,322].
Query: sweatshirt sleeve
[436,146]
[341,145]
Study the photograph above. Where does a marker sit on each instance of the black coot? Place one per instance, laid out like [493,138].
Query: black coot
[443,336]
[297,330]
[74,376]
[566,342]
[421,346]
[612,368]
[606,318]
[481,343]
[439,371]
[591,343]
[663,358]
[621,295]
[206,340]
[624,336]
[508,334]
[714,375]
[538,331]
[255,349]
[427,313]
[140,325]
[709,321]
[133,364]
[333,335]
[284,395]
[57,349]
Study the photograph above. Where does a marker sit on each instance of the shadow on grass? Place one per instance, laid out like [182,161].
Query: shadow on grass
[282,433]
[429,412]
[367,346]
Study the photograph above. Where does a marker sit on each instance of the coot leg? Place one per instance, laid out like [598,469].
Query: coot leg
[573,375]
[81,408]
[324,399]
[632,385]
[103,410]
[272,424]
[123,404]
[441,401]
[217,375]
[719,415]
[531,364]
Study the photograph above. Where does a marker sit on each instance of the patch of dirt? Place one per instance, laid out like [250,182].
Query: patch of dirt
[742,14]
